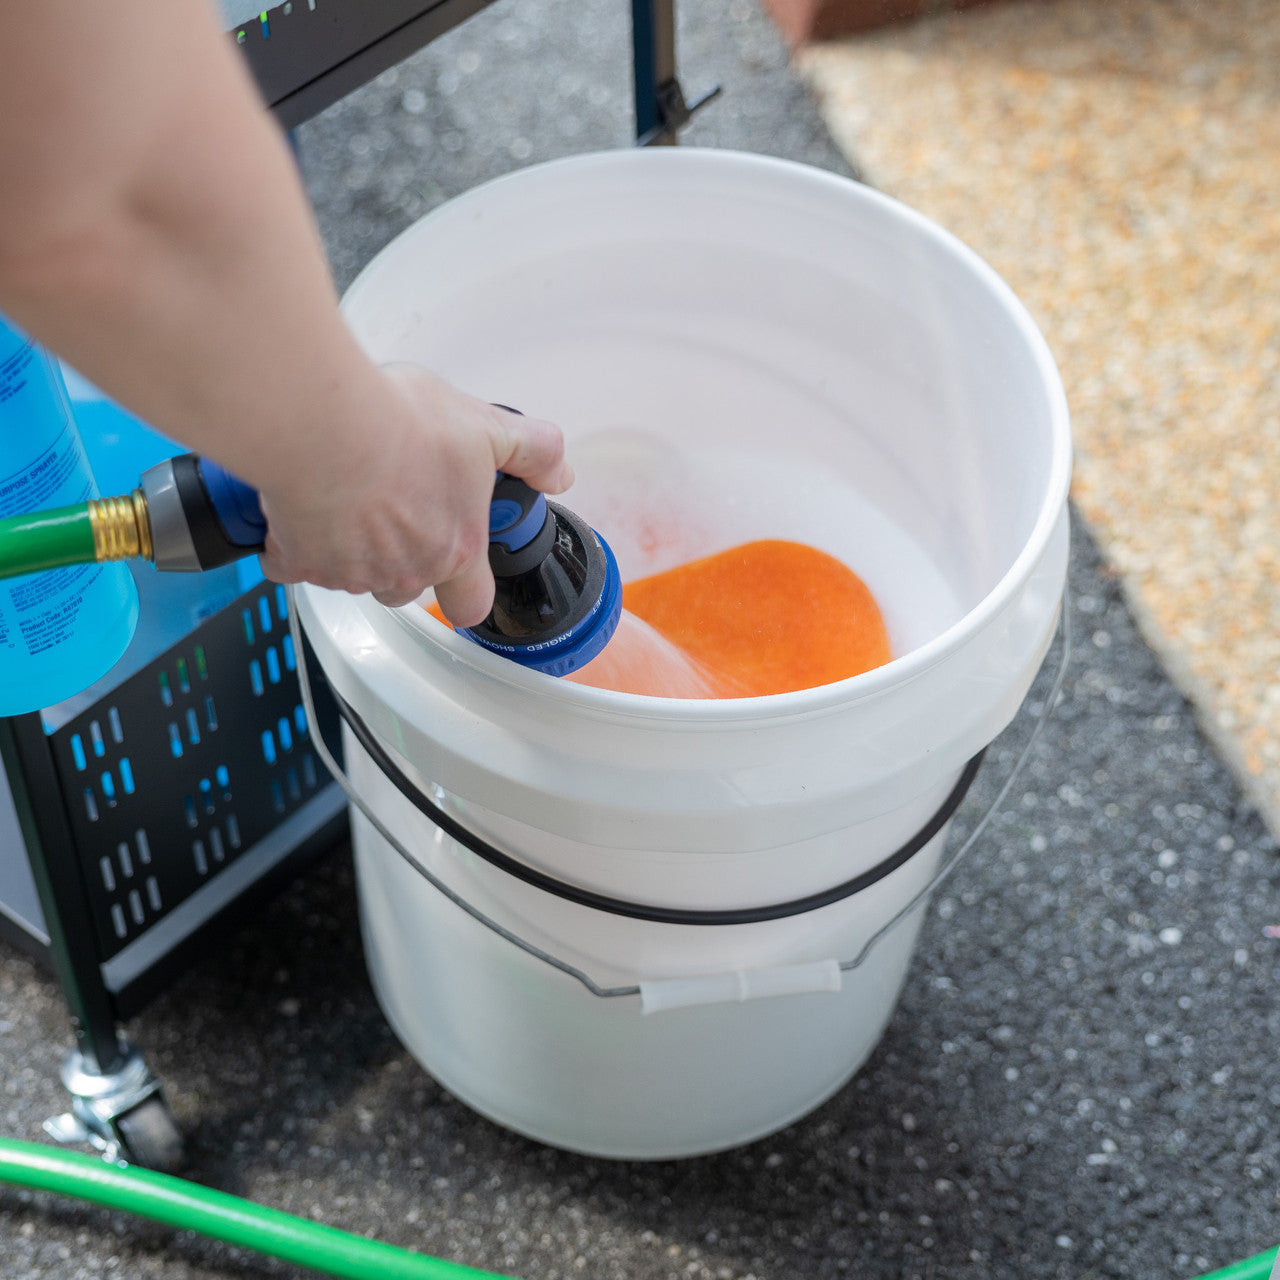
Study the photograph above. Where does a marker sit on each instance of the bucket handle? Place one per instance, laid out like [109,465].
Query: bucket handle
[650,912]
[660,994]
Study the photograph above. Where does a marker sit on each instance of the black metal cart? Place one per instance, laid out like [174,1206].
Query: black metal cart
[143,821]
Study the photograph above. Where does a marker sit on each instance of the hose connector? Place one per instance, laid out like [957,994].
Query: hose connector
[121,528]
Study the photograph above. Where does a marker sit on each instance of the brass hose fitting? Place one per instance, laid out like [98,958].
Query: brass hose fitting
[121,528]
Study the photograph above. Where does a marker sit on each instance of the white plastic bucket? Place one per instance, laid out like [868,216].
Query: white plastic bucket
[736,347]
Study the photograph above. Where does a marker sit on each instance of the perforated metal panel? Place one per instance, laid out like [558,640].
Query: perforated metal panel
[186,765]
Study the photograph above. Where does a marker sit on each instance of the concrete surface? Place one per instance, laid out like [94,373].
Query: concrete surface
[1080,1080]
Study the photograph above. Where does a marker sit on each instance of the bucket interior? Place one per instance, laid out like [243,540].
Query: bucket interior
[742,348]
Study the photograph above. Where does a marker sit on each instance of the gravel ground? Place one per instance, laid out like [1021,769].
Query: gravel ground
[1080,1078]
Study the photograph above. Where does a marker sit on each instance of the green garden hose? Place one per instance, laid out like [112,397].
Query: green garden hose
[1258,1267]
[39,540]
[192,1207]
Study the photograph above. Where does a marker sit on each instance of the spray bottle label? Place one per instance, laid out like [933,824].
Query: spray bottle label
[41,485]
[42,464]
[37,453]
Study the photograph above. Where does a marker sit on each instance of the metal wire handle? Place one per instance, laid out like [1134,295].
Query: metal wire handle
[572,971]
[949,865]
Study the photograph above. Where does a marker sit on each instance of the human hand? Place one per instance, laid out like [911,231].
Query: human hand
[394,497]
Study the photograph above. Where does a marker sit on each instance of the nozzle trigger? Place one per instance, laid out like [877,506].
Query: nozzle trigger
[516,514]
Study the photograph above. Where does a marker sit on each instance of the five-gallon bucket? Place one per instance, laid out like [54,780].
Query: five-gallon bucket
[642,929]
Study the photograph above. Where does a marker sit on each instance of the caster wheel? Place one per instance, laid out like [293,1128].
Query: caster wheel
[149,1136]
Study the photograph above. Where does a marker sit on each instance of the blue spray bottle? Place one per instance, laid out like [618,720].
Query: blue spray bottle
[59,631]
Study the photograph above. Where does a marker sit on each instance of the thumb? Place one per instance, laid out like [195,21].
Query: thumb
[466,599]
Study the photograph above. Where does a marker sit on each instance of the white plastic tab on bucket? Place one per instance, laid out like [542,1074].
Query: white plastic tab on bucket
[653,965]
[661,994]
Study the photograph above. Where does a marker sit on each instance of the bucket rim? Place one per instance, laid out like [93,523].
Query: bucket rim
[898,671]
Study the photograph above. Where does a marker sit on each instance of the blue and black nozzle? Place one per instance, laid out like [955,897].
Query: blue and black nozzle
[557,590]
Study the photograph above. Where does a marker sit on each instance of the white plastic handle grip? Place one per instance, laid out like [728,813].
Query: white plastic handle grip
[659,994]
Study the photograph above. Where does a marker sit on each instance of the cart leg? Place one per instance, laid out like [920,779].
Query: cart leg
[660,106]
[116,1103]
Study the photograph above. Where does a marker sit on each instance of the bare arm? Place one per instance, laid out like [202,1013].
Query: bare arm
[153,230]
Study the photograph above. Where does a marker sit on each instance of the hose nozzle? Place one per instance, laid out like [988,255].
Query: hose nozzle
[557,590]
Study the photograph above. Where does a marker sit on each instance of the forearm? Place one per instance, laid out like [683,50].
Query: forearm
[171,251]
[154,232]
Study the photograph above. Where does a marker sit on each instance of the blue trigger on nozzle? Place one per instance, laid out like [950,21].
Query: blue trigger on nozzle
[512,526]
[502,515]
